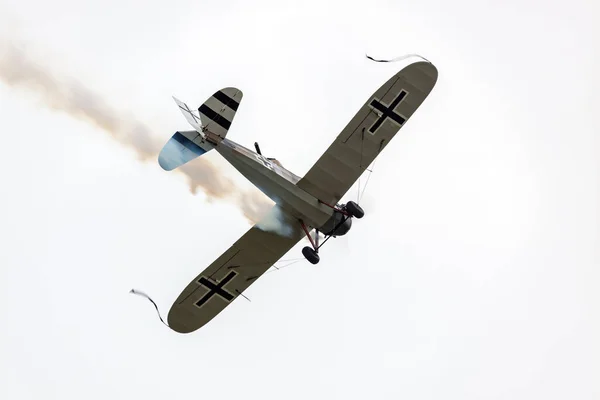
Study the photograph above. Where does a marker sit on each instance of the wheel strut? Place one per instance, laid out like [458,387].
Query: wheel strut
[311,254]
[335,208]
[312,242]
[351,209]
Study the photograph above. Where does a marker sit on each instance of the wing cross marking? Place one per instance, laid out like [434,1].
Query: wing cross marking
[388,111]
[217,288]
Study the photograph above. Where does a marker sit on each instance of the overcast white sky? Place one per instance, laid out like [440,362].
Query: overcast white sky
[474,274]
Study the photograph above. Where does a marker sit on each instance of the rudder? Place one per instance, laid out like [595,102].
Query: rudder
[218,111]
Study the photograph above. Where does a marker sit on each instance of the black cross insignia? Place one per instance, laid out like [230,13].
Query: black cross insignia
[388,111]
[216,288]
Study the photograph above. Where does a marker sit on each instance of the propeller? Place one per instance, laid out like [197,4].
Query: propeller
[257,147]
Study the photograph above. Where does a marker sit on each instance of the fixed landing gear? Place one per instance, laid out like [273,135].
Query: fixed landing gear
[354,210]
[341,220]
[311,255]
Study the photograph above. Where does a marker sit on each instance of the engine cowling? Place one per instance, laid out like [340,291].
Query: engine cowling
[334,225]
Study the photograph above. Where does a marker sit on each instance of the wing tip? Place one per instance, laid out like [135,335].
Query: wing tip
[177,326]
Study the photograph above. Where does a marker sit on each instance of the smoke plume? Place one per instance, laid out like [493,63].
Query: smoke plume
[18,70]
[277,221]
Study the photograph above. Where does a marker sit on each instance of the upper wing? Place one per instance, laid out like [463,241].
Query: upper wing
[367,134]
[230,274]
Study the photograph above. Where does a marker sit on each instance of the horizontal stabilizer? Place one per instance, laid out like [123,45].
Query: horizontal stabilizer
[182,147]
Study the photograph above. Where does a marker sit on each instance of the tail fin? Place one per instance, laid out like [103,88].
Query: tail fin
[211,124]
[218,111]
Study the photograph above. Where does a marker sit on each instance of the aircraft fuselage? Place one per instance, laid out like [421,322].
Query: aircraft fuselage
[276,182]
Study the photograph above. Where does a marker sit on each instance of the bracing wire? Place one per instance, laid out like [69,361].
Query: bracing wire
[368,178]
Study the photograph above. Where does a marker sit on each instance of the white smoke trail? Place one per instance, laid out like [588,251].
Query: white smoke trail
[276,221]
[20,71]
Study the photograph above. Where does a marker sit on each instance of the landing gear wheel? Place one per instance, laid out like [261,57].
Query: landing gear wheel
[354,210]
[311,255]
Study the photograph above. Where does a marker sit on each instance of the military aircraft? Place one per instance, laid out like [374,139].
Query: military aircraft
[302,204]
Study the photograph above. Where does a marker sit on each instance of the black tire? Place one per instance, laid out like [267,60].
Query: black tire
[354,210]
[311,255]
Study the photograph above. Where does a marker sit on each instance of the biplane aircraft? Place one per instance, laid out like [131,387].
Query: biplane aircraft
[303,205]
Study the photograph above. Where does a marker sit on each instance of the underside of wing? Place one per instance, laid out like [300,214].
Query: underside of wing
[234,271]
[369,132]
